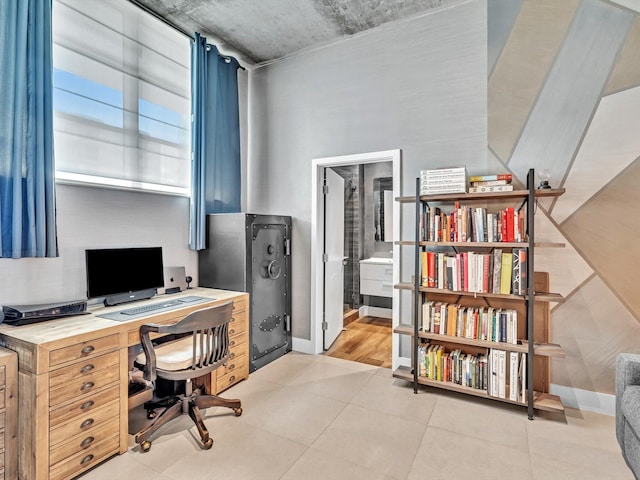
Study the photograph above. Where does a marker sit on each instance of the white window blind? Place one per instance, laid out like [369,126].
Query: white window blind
[121,97]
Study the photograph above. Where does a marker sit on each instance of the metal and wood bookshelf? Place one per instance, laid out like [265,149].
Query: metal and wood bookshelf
[532,306]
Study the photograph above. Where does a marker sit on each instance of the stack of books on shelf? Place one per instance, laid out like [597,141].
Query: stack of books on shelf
[472,224]
[443,180]
[479,323]
[502,271]
[455,366]
[500,182]
[501,374]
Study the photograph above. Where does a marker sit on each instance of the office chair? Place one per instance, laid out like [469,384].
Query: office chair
[201,347]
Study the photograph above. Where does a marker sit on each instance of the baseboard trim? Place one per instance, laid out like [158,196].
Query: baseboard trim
[585,399]
[302,345]
[368,311]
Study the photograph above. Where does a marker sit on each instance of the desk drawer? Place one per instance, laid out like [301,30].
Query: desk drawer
[84,385]
[82,369]
[85,459]
[83,441]
[83,407]
[232,373]
[85,423]
[238,324]
[88,349]
[237,351]
[239,305]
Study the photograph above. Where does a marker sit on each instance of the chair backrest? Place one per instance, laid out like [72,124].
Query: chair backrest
[208,341]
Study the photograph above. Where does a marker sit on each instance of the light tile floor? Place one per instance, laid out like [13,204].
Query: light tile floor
[318,417]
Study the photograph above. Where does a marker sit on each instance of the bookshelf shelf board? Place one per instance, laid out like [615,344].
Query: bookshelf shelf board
[465,197]
[548,297]
[541,401]
[409,286]
[410,243]
[542,349]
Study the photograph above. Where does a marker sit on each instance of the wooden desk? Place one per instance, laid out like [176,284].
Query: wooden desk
[73,382]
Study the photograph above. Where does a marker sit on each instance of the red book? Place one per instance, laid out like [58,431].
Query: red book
[431,269]
[503,226]
[465,261]
[510,220]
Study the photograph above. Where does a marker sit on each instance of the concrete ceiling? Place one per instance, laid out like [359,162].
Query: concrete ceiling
[259,31]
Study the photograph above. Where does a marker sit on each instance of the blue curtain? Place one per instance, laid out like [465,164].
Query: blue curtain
[215,137]
[27,174]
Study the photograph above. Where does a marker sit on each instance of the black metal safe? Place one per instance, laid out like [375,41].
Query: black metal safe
[252,253]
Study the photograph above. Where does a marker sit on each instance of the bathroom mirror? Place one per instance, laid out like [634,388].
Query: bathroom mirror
[383,209]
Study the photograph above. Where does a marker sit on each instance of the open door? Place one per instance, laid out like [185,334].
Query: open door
[333,257]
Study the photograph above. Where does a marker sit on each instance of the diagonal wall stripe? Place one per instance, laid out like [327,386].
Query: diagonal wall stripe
[609,147]
[630,4]
[626,73]
[522,68]
[606,229]
[501,14]
[592,327]
[572,90]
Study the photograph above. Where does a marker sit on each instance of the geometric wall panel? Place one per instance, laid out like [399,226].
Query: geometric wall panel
[567,269]
[626,73]
[522,68]
[630,4]
[608,148]
[606,231]
[572,89]
[500,17]
[593,327]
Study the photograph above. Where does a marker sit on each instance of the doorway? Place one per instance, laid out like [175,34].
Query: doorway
[319,228]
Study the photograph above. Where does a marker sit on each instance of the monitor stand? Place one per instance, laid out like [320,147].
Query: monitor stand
[129,297]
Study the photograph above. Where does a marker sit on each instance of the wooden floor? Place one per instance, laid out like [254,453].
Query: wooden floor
[367,340]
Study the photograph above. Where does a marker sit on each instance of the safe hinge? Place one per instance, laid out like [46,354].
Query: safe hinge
[287,246]
[287,323]
[325,325]
[325,189]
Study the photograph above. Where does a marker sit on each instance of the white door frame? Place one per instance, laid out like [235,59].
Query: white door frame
[317,235]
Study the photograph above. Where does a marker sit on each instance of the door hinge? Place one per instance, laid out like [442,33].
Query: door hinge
[287,323]
[325,189]
[325,257]
[325,325]
[287,246]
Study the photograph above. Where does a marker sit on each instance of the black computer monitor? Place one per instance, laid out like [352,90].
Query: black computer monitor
[124,274]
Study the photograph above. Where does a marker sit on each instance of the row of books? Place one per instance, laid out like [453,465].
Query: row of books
[491,183]
[472,224]
[508,375]
[503,272]
[501,374]
[456,366]
[491,324]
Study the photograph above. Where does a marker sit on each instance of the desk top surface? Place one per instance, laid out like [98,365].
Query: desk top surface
[77,326]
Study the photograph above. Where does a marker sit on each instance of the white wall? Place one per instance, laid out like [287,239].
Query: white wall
[418,85]
[90,217]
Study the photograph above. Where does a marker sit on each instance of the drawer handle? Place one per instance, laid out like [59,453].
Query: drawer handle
[88,349]
[86,386]
[87,368]
[86,405]
[232,366]
[87,422]
[231,331]
[232,343]
[233,319]
[86,459]
[86,442]
[233,354]
[232,378]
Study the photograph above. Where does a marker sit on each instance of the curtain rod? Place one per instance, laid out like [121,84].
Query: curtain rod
[171,24]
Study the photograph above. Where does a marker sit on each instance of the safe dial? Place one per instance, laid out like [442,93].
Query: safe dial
[273,269]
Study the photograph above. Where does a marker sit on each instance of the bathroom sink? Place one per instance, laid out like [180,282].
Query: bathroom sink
[378,260]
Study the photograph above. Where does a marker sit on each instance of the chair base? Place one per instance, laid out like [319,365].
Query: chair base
[176,405]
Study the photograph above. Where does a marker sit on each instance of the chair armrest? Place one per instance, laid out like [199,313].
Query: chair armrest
[627,374]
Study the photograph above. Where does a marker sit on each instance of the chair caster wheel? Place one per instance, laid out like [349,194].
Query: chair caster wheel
[151,414]
[237,411]
[208,444]
[145,446]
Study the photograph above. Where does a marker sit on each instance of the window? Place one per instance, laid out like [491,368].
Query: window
[121,97]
